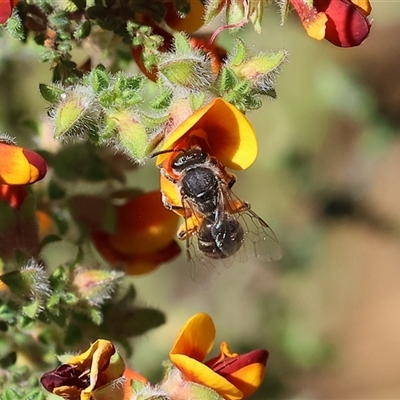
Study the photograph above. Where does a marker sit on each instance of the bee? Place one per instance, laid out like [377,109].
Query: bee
[218,227]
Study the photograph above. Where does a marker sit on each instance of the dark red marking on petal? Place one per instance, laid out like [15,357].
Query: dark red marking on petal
[37,161]
[230,365]
[346,25]
[64,375]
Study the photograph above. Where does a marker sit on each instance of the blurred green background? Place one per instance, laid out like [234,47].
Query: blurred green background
[327,181]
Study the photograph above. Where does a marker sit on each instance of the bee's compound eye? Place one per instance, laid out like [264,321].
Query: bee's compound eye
[220,239]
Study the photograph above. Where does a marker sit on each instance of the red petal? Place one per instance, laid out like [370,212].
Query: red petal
[229,366]
[5,10]
[36,161]
[346,25]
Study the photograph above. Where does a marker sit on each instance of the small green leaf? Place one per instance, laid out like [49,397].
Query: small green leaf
[10,394]
[196,100]
[50,93]
[99,80]
[96,316]
[239,53]
[83,30]
[162,101]
[227,80]
[31,310]
[15,27]
[182,44]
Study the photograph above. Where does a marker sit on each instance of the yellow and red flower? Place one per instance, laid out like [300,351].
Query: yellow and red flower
[231,375]
[344,23]
[96,374]
[218,128]
[143,238]
[20,166]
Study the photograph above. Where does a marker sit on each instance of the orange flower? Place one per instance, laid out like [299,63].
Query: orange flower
[344,23]
[6,7]
[231,375]
[19,166]
[220,129]
[96,374]
[191,22]
[144,235]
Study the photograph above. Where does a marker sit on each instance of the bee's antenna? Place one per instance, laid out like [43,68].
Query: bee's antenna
[157,153]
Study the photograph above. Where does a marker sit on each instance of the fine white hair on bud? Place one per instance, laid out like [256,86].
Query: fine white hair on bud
[77,113]
[40,288]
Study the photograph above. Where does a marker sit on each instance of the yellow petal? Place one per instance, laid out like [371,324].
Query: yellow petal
[19,166]
[363,6]
[171,192]
[248,379]
[96,358]
[227,132]
[195,339]
[316,28]
[198,372]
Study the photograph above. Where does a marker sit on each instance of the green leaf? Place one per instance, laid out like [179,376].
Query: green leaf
[212,10]
[31,310]
[99,80]
[10,394]
[83,30]
[15,27]
[50,93]
[227,80]
[239,53]
[96,316]
[181,44]
[162,101]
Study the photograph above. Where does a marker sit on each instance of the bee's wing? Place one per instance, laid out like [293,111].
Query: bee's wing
[259,240]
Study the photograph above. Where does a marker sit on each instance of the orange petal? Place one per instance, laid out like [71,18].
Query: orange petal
[19,166]
[192,21]
[143,263]
[195,339]
[144,226]
[226,131]
[248,379]
[198,372]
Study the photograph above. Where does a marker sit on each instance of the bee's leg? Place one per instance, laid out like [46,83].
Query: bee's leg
[166,175]
[231,179]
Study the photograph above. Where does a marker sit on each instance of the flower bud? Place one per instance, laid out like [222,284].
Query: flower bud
[131,134]
[95,286]
[77,113]
[28,284]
